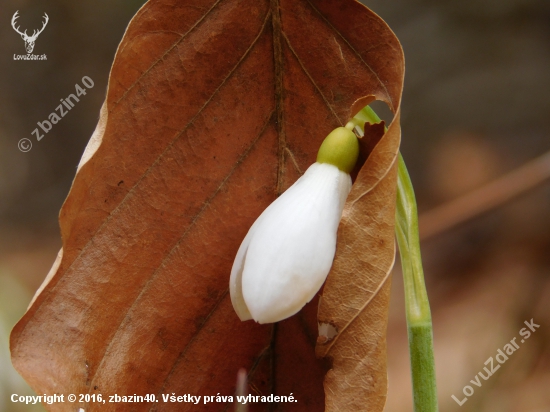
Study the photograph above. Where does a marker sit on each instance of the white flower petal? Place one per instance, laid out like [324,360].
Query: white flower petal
[288,252]
[235,281]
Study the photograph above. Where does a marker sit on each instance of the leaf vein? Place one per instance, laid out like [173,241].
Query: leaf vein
[362,308]
[328,23]
[168,51]
[306,72]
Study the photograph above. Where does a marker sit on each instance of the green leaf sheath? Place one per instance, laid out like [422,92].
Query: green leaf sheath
[417,306]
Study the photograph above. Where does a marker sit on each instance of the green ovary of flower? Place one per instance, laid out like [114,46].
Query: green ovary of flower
[340,148]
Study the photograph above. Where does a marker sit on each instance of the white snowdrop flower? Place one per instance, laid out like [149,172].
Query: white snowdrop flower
[286,256]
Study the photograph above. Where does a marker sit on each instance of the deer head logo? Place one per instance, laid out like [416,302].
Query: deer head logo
[29,40]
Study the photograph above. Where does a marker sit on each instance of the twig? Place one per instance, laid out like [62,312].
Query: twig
[241,391]
[485,198]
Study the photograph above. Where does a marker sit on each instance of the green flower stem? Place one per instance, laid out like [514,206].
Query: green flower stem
[366,115]
[417,306]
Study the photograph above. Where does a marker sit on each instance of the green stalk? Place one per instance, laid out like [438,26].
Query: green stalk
[417,306]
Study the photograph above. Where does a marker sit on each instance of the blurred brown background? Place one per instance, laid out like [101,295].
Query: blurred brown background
[476,106]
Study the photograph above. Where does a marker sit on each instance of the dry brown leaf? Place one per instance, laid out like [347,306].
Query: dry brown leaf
[214,107]
[353,309]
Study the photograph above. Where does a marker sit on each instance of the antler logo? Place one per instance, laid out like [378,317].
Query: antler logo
[29,40]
